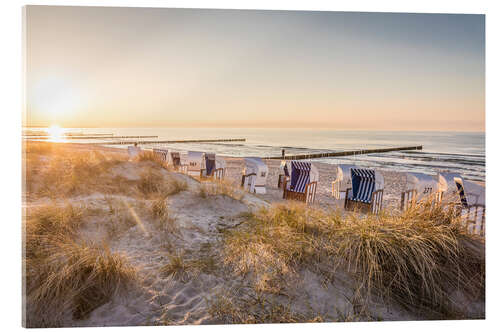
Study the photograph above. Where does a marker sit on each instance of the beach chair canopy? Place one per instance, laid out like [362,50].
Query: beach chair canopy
[364,183]
[425,184]
[301,174]
[470,193]
[258,167]
[209,163]
[133,151]
[449,178]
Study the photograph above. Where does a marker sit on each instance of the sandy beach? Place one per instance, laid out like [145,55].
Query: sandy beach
[181,273]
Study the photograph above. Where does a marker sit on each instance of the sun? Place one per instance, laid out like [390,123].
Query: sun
[55,132]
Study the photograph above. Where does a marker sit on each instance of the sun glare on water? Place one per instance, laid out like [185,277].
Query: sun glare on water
[55,133]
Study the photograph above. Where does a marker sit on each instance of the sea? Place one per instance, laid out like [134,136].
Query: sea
[461,152]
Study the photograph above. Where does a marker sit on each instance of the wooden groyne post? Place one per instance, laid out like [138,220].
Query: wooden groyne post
[342,153]
[170,141]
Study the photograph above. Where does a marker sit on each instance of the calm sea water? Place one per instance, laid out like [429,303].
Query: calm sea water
[462,152]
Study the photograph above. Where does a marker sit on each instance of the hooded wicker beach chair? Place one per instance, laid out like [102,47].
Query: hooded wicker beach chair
[162,154]
[472,207]
[420,186]
[194,163]
[367,191]
[302,183]
[342,181]
[254,175]
[213,167]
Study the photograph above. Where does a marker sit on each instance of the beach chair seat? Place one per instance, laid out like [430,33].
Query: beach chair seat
[302,183]
[254,175]
[420,187]
[367,191]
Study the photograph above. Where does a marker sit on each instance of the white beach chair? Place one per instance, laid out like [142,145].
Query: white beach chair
[302,181]
[342,181]
[254,175]
[220,168]
[366,194]
[194,163]
[420,186]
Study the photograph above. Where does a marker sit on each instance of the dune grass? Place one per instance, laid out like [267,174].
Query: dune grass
[227,309]
[55,172]
[220,187]
[64,275]
[416,259]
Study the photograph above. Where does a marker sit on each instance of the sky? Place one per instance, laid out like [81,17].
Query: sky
[151,67]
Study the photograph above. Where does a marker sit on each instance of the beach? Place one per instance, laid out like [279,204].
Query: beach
[174,240]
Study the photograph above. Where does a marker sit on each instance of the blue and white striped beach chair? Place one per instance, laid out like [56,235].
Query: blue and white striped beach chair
[367,191]
[302,182]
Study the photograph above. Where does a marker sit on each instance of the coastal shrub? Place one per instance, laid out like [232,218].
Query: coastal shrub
[416,259]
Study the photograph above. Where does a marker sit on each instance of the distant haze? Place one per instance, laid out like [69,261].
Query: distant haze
[144,67]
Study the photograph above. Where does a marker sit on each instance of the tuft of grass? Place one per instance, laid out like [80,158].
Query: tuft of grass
[162,218]
[225,188]
[75,278]
[153,184]
[415,259]
[250,309]
[184,268]
[148,155]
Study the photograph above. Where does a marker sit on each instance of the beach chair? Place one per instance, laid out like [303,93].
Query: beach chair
[367,191]
[342,181]
[194,163]
[284,172]
[208,165]
[302,183]
[220,168]
[133,151]
[213,166]
[254,175]
[420,186]
[177,161]
[162,154]
[471,209]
